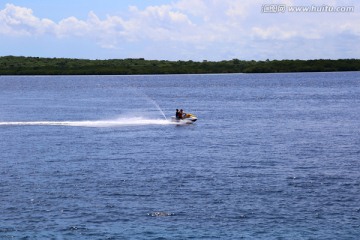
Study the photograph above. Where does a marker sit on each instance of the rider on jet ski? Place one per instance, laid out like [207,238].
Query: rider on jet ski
[180,114]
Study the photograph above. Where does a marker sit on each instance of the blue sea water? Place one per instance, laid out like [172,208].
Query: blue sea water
[272,156]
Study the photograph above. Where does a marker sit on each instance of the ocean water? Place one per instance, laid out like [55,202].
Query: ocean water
[272,156]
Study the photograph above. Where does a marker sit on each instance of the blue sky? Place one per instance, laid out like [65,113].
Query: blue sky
[178,29]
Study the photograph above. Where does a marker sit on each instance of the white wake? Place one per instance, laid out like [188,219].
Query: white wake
[99,123]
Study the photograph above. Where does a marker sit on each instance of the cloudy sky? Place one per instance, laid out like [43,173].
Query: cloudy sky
[179,29]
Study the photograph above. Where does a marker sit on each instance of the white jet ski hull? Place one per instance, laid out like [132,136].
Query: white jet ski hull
[188,119]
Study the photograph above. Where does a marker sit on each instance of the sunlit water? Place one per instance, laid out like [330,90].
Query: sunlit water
[272,156]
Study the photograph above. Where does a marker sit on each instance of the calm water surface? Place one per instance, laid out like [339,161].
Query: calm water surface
[272,156]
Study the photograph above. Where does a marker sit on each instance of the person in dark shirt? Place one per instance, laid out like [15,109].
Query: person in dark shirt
[181,114]
[177,115]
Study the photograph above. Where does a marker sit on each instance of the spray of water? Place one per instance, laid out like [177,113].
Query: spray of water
[157,106]
[152,101]
[119,122]
[122,121]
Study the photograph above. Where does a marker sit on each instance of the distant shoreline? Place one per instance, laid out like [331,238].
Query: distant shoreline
[11,65]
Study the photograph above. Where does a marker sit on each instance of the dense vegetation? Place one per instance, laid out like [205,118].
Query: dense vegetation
[11,65]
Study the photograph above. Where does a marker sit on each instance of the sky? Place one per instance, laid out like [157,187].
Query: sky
[195,30]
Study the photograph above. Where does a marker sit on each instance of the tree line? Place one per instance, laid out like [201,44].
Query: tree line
[12,65]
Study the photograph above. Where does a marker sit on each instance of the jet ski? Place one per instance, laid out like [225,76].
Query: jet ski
[188,118]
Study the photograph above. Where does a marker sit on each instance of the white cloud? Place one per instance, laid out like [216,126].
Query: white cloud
[71,27]
[273,33]
[193,7]
[158,23]
[19,21]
